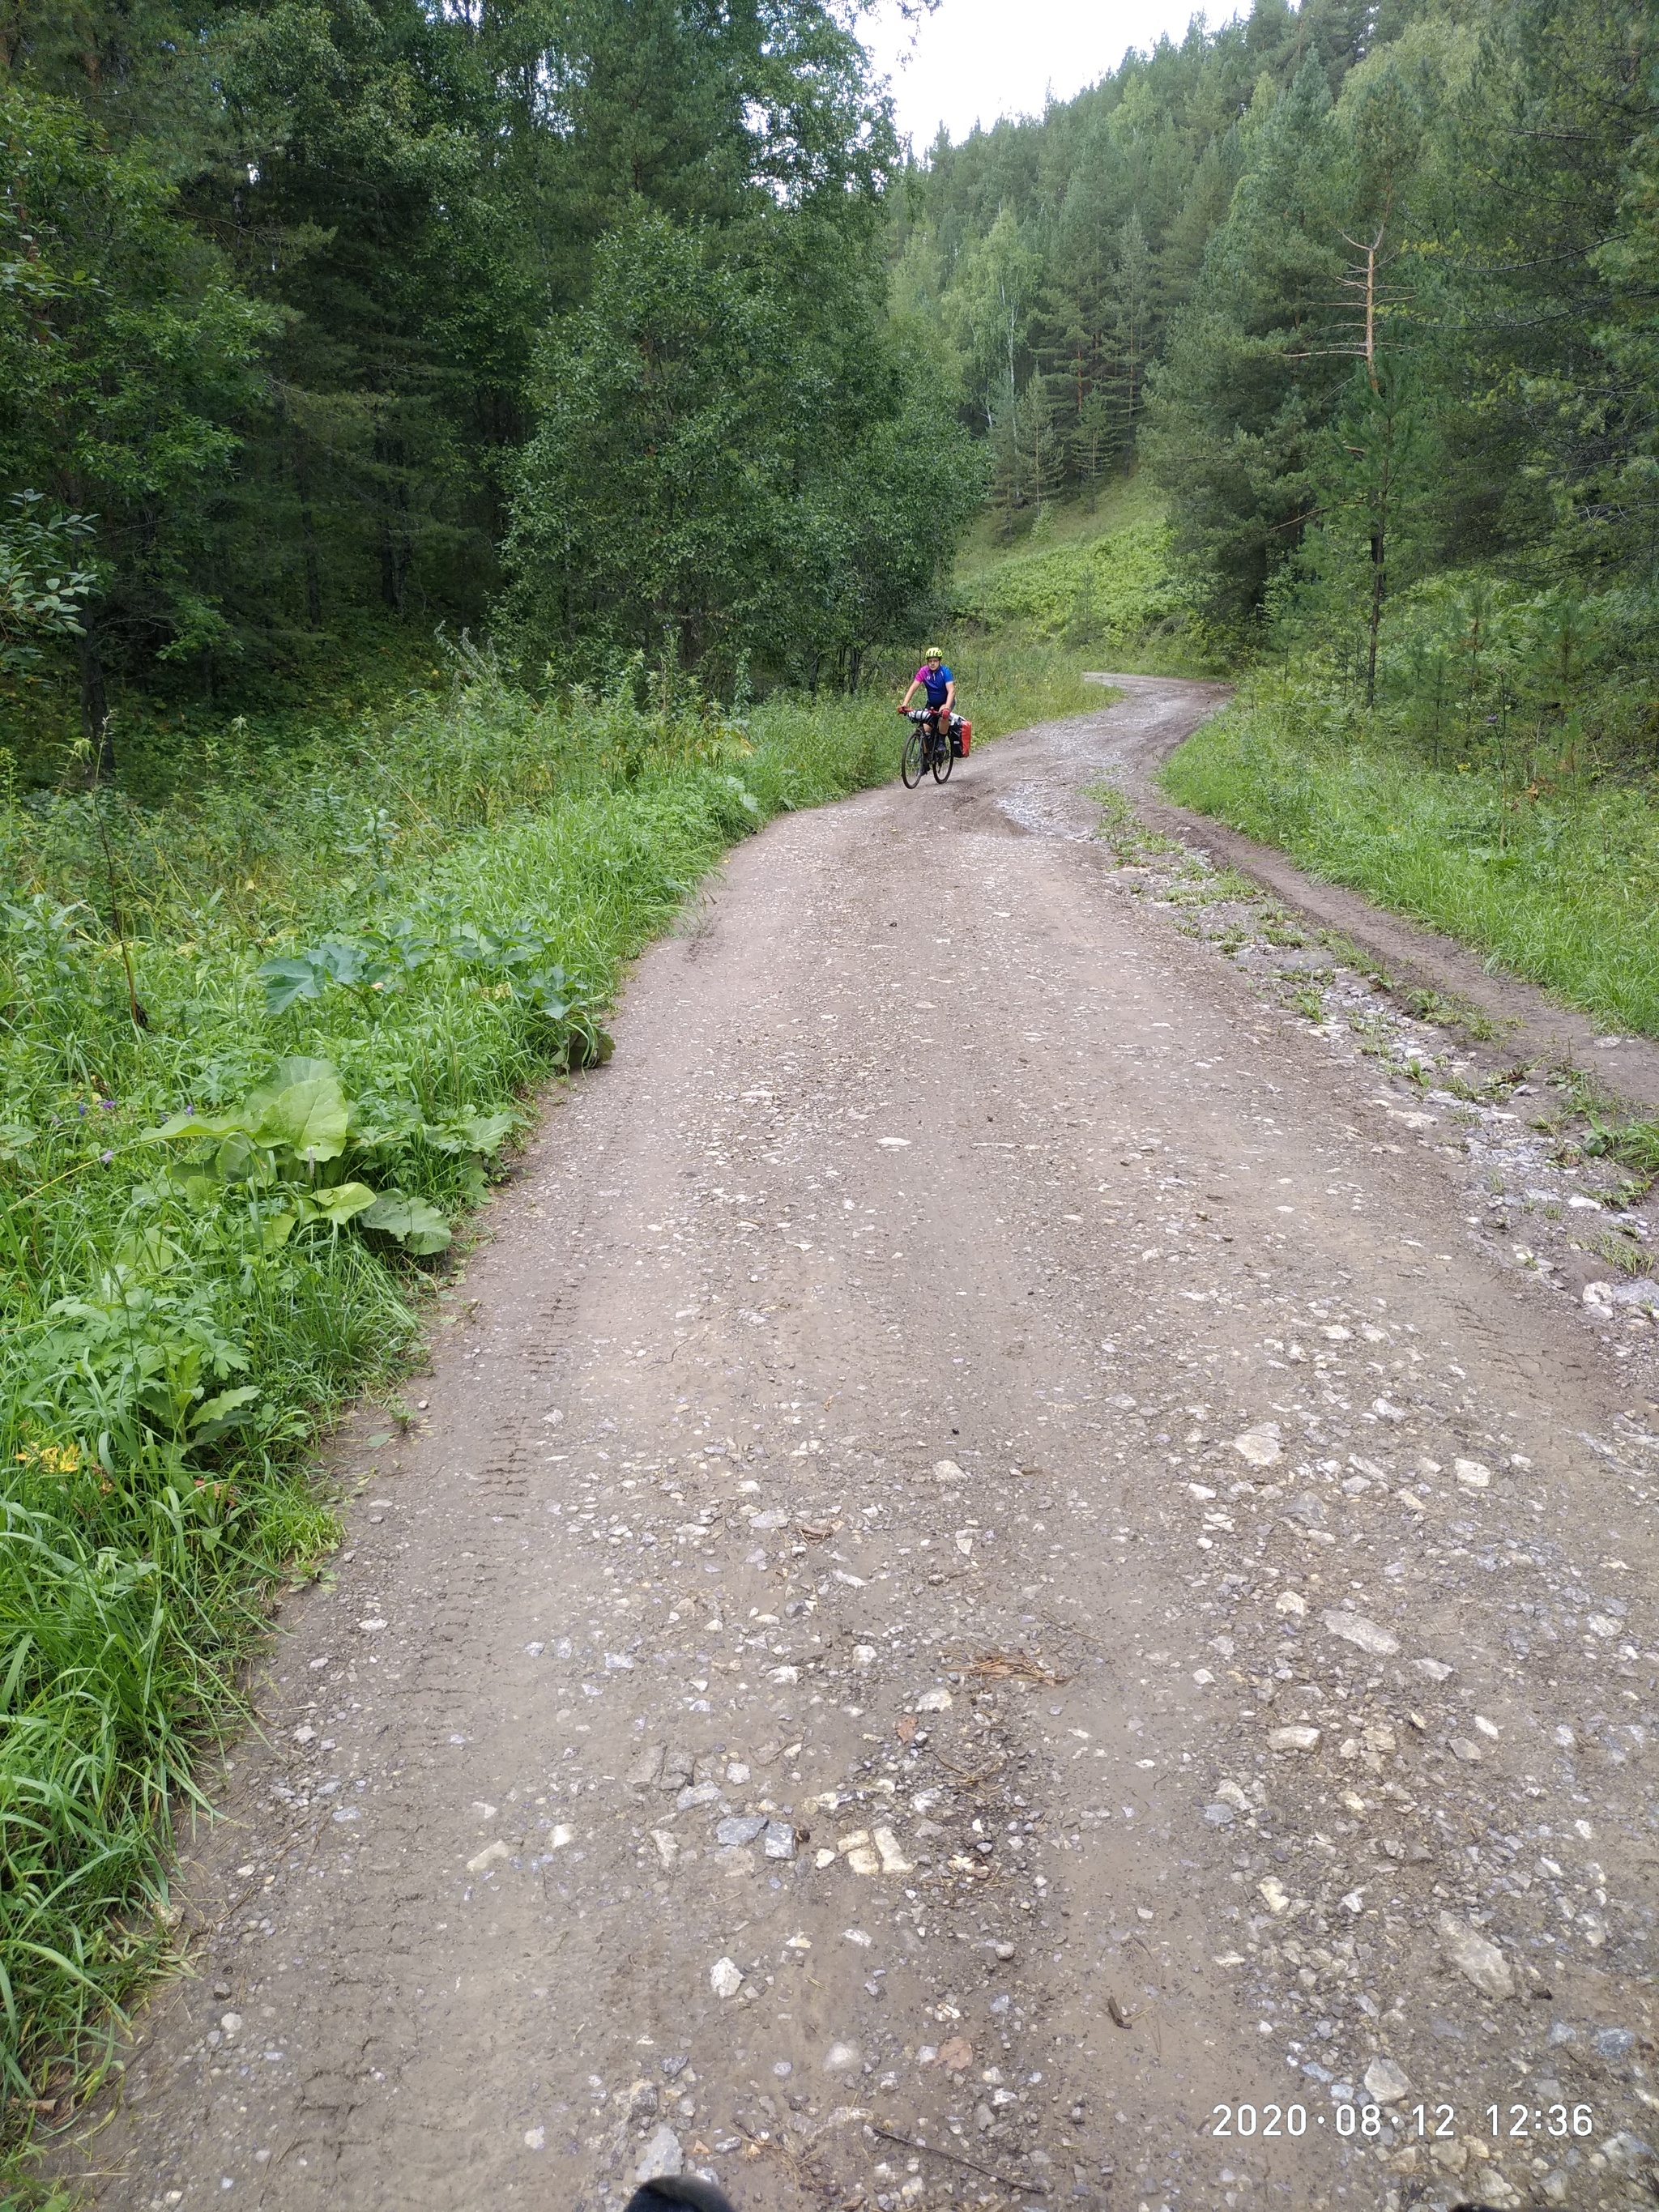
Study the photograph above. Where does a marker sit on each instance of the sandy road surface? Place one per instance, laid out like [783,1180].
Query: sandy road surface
[989,1567]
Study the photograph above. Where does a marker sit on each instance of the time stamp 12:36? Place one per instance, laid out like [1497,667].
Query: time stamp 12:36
[1423,2122]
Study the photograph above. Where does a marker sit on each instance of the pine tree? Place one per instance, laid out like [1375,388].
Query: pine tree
[1009,480]
[1131,323]
[1045,450]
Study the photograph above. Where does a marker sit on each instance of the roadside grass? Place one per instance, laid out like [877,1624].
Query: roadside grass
[261,1048]
[1556,880]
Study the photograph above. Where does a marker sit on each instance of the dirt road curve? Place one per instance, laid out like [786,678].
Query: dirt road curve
[996,1602]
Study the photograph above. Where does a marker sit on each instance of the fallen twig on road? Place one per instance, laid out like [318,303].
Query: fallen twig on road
[956,2158]
[969,1780]
[1011,1665]
[796,2164]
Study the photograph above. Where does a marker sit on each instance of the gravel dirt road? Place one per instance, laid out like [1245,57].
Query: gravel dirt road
[1003,1594]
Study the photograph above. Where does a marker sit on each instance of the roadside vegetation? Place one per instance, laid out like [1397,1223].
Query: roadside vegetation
[1501,813]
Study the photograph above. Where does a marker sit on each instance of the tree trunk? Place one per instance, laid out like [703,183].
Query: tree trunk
[395,548]
[391,581]
[299,461]
[308,537]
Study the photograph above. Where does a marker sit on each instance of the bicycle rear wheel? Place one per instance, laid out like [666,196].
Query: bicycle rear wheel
[914,761]
[944,758]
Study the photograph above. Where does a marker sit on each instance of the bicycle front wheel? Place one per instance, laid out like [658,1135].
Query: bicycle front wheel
[944,760]
[911,767]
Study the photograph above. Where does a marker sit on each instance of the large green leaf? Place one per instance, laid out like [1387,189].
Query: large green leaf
[298,1068]
[190,1124]
[340,1204]
[486,1132]
[470,1132]
[303,1108]
[151,1254]
[228,1410]
[289,981]
[415,1225]
[308,975]
[272,1098]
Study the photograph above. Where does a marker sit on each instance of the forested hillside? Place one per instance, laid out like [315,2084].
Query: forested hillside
[1059,252]
[1370,289]
[619,329]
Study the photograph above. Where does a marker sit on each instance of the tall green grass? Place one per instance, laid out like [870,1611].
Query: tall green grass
[1545,864]
[177,1319]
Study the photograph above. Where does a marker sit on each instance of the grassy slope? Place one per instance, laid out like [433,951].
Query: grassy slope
[1096,581]
[1075,521]
[142,1540]
[1557,880]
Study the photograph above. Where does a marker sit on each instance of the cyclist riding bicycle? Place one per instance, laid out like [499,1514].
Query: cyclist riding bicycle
[936,679]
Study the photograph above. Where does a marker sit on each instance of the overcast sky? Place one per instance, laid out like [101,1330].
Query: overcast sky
[977,59]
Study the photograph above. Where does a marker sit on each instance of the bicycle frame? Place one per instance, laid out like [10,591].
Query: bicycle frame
[929,719]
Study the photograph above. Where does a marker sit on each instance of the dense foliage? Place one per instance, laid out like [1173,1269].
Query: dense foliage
[735,459]
[307,308]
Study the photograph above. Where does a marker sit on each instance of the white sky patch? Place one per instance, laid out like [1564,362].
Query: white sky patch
[977,59]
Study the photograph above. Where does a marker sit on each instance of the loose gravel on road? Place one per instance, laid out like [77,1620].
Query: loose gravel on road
[1004,1593]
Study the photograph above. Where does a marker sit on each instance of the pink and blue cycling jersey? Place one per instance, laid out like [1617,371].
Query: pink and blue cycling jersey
[936,681]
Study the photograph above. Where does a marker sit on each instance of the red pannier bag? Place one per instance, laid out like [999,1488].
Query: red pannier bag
[961,736]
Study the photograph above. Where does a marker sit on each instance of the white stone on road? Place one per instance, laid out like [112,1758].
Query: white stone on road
[1476,1957]
[1354,1628]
